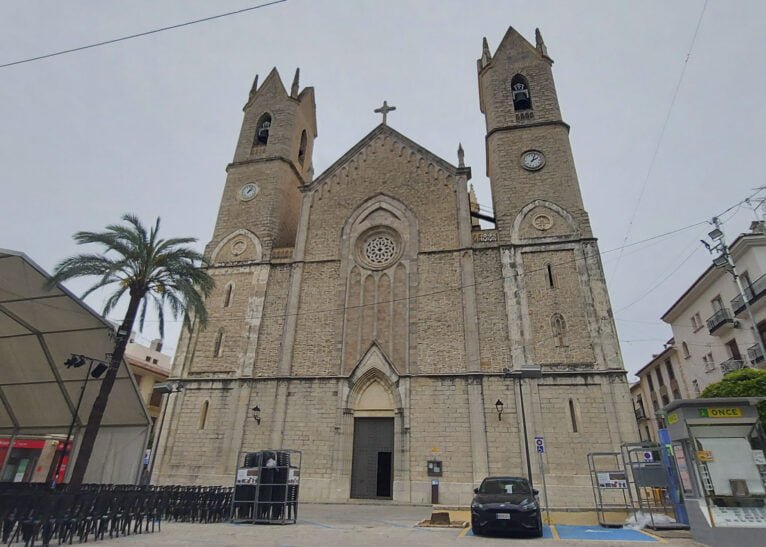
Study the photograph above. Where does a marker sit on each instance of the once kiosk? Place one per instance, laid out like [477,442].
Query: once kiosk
[718,446]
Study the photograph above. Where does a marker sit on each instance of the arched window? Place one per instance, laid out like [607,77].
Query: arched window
[218,346]
[203,414]
[522,100]
[573,415]
[559,329]
[302,148]
[227,297]
[262,130]
[685,350]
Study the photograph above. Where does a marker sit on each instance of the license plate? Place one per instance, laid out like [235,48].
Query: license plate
[504,516]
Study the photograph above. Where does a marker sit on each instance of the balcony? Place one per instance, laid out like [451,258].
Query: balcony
[640,415]
[719,319]
[753,292]
[755,354]
[730,365]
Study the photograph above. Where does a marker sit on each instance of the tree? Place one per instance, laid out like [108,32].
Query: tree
[746,382]
[147,268]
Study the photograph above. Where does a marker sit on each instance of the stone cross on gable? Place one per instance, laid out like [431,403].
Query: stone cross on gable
[385,109]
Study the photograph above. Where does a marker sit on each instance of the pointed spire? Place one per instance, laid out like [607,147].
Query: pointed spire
[486,56]
[460,155]
[254,87]
[294,88]
[540,44]
[472,199]
[473,204]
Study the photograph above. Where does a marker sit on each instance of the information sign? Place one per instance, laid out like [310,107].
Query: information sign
[540,445]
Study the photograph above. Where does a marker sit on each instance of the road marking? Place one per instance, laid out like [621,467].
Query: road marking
[658,538]
[554,532]
[464,532]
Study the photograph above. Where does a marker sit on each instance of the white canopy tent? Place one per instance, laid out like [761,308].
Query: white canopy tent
[39,329]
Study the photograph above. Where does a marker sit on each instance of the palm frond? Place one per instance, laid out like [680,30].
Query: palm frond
[137,260]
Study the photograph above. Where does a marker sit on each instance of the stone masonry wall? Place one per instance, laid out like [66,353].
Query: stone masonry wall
[439,327]
[565,298]
[316,350]
[490,301]
[384,166]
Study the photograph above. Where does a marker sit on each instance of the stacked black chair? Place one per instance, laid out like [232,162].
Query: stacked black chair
[33,514]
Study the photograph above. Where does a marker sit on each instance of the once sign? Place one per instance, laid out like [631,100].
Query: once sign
[721,412]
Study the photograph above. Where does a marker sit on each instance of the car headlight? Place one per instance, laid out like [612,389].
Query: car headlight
[529,506]
[477,506]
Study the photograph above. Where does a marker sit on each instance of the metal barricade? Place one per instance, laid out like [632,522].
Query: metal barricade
[610,488]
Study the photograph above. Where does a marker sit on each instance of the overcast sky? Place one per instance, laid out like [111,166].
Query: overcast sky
[148,125]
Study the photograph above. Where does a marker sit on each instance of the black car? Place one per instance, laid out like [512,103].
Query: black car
[506,504]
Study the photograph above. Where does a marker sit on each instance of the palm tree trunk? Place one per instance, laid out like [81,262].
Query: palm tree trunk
[99,405]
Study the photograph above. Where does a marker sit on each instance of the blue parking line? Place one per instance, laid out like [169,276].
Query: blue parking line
[597,533]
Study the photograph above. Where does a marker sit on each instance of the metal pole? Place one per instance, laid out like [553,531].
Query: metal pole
[75,415]
[545,489]
[526,438]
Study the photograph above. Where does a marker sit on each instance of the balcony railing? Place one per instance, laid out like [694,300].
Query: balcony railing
[640,415]
[718,319]
[730,365]
[753,292]
[755,354]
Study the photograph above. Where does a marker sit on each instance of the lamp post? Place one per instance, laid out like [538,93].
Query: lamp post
[76,361]
[725,261]
[166,388]
[524,372]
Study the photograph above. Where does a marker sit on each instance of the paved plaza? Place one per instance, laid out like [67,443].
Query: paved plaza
[371,526]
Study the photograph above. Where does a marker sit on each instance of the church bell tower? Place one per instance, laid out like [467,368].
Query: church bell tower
[528,152]
[551,263]
[271,162]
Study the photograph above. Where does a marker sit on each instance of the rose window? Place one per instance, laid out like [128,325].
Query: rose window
[380,250]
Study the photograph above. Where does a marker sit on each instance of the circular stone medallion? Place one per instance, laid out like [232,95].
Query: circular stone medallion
[238,247]
[542,222]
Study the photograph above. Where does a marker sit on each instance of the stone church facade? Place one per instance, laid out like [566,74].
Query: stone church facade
[376,325]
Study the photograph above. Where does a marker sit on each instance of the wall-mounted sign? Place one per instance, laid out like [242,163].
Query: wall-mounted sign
[672,418]
[720,412]
[705,456]
[612,480]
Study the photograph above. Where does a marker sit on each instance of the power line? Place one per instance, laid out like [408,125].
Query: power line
[466,286]
[662,135]
[140,34]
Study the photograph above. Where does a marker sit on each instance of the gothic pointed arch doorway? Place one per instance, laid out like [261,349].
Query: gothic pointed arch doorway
[372,467]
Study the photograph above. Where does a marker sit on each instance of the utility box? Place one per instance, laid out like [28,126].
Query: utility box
[435,468]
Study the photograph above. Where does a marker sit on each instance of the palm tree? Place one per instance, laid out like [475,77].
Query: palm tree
[164,272]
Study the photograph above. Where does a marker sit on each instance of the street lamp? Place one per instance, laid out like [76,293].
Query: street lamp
[499,406]
[524,372]
[256,410]
[165,388]
[724,260]
[76,361]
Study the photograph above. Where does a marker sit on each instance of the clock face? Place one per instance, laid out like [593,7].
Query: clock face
[532,160]
[248,191]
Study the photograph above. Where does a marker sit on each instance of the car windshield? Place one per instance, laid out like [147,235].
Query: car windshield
[504,486]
